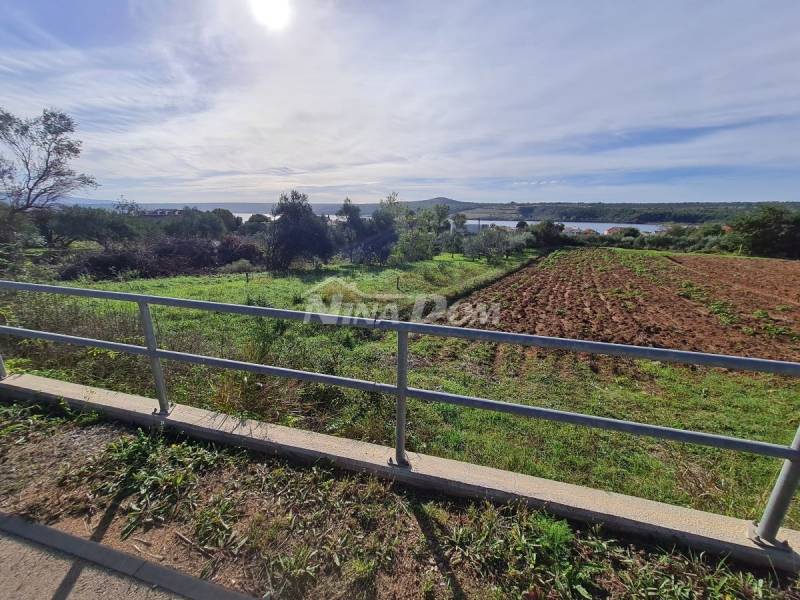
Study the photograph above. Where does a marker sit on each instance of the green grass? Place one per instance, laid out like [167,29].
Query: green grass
[159,480]
[222,334]
[444,274]
[743,405]
[748,406]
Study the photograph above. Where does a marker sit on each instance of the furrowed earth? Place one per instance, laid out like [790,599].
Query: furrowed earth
[725,305]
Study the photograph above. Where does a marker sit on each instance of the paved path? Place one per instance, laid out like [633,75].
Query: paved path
[31,572]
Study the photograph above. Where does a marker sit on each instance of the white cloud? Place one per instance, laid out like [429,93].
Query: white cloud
[362,98]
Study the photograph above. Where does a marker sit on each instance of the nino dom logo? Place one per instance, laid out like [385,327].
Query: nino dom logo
[340,300]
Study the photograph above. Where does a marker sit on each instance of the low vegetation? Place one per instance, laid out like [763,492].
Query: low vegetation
[769,230]
[684,213]
[273,529]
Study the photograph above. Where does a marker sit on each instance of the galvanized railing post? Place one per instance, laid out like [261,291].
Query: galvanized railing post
[155,363]
[402,384]
[780,499]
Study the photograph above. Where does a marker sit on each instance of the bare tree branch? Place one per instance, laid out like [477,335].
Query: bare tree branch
[37,173]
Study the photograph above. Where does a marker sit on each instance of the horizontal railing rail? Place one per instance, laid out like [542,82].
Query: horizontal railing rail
[767,529]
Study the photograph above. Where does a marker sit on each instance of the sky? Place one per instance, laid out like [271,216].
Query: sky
[530,101]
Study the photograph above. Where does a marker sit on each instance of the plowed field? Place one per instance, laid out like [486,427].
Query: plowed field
[705,303]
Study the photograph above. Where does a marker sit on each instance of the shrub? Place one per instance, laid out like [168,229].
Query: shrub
[234,248]
[239,266]
[110,265]
[168,257]
[175,256]
[196,223]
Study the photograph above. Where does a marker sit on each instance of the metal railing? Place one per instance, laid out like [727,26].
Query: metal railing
[765,531]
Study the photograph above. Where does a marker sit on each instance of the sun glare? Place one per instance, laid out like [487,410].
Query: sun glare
[272,14]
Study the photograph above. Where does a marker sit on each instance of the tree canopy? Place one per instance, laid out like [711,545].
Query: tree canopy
[35,170]
[770,231]
[297,232]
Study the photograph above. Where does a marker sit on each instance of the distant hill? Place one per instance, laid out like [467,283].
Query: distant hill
[321,208]
[596,212]
[453,205]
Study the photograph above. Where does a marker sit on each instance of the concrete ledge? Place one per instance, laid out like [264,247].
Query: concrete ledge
[662,523]
[114,560]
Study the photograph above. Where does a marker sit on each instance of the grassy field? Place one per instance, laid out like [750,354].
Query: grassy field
[745,405]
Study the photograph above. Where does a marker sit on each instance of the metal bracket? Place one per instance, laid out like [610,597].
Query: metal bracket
[752,534]
[164,413]
[403,465]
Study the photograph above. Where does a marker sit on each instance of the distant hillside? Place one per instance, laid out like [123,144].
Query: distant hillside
[673,212]
[321,208]
[597,212]
[453,205]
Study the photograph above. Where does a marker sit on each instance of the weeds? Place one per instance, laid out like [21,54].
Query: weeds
[314,532]
[519,550]
[157,476]
[292,574]
[724,311]
[213,526]
[18,422]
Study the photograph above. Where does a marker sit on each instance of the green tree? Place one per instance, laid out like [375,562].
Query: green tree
[231,221]
[349,232]
[770,231]
[453,242]
[440,222]
[352,215]
[255,224]
[65,225]
[297,232]
[547,233]
[459,221]
[491,243]
[127,207]
[194,223]
[414,244]
[36,172]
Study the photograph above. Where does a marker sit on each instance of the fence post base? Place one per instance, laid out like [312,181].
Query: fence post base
[766,530]
[752,535]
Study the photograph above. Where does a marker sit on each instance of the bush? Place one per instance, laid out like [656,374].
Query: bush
[413,245]
[772,230]
[174,256]
[196,223]
[110,265]
[234,248]
[168,257]
[240,266]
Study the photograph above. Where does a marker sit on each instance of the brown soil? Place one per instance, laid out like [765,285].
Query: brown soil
[281,508]
[359,508]
[710,304]
[772,280]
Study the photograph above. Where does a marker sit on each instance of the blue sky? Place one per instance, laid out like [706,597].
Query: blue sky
[193,100]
